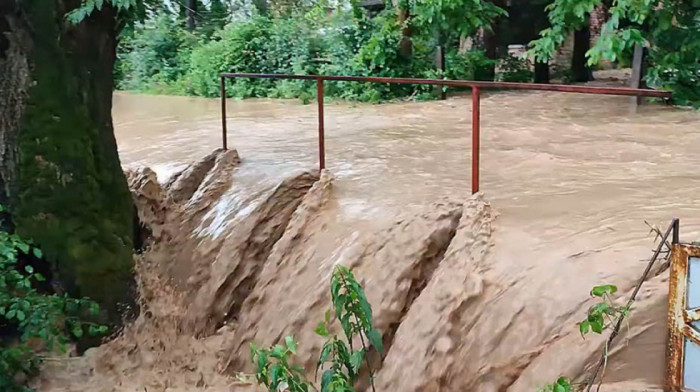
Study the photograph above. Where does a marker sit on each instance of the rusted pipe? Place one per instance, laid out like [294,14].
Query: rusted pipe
[680,316]
[476,137]
[565,88]
[321,125]
[224,132]
[676,231]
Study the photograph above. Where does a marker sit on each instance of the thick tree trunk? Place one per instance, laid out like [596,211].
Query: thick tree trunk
[261,6]
[541,72]
[59,170]
[579,64]
[406,46]
[191,13]
[490,45]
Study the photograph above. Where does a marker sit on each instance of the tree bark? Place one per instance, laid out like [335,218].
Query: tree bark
[60,174]
[490,45]
[406,46]
[191,13]
[261,6]
[542,72]
[579,64]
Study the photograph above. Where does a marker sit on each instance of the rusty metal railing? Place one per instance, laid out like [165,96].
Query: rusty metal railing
[476,87]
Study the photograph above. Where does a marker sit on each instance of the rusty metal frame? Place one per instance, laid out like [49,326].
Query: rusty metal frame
[673,227]
[679,317]
[476,87]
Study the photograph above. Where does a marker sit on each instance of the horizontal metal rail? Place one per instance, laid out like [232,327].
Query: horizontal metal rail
[476,86]
[566,88]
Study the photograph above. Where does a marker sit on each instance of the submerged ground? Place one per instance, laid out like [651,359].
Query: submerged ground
[471,293]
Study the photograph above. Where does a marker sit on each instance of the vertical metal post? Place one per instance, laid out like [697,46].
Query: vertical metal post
[223,114]
[476,123]
[676,231]
[321,130]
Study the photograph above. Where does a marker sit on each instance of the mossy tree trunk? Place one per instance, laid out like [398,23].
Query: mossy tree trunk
[60,173]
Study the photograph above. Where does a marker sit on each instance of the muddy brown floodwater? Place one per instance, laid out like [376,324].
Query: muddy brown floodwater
[472,293]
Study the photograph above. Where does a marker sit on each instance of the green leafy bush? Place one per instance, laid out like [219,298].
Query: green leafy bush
[49,318]
[239,47]
[668,28]
[310,40]
[473,65]
[340,359]
[514,69]
[154,57]
[562,384]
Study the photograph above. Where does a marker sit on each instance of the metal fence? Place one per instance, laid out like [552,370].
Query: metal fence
[475,86]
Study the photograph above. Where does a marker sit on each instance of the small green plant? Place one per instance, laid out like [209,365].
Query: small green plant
[600,317]
[603,314]
[24,311]
[273,369]
[562,384]
[473,65]
[514,69]
[342,362]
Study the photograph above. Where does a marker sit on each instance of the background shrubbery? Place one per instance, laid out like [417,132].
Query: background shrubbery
[160,56]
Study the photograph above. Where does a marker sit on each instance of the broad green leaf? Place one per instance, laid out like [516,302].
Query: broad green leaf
[564,381]
[37,253]
[375,339]
[584,327]
[289,340]
[278,352]
[321,329]
[326,379]
[599,291]
[29,269]
[23,247]
[356,360]
[325,352]
[262,361]
[77,331]
[275,372]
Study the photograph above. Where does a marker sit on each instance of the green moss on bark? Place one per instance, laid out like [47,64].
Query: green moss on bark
[71,196]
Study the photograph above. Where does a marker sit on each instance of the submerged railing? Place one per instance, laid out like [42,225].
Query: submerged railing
[475,86]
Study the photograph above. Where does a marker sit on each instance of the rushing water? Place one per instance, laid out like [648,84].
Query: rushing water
[573,177]
[560,164]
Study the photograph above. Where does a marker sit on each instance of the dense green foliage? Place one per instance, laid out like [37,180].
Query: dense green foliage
[160,56]
[341,361]
[315,37]
[670,29]
[47,319]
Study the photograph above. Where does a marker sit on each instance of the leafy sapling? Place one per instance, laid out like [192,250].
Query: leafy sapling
[339,361]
